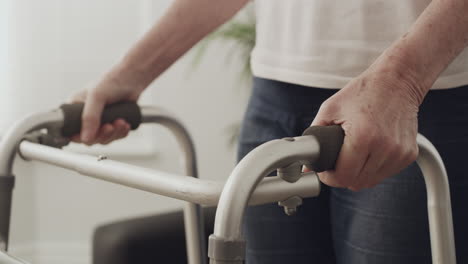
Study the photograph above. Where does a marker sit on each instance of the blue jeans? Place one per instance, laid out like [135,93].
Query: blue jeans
[386,224]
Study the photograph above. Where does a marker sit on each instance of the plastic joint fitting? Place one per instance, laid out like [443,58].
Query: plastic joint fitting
[222,250]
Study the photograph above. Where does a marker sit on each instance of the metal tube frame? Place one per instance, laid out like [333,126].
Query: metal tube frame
[193,216]
[227,235]
[438,203]
[248,174]
[199,191]
[53,119]
[245,185]
[8,147]
[191,189]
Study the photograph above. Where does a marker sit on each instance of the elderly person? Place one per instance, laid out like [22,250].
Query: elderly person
[378,68]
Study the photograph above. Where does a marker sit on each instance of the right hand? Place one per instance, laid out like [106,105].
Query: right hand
[107,91]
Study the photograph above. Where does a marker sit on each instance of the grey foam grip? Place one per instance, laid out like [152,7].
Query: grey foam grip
[7,183]
[129,111]
[330,139]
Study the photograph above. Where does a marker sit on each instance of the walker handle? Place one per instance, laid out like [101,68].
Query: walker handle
[330,139]
[129,111]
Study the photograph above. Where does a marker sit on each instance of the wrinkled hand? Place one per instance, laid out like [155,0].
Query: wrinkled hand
[109,90]
[378,113]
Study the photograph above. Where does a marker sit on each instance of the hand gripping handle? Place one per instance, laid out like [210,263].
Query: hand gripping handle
[330,139]
[129,111]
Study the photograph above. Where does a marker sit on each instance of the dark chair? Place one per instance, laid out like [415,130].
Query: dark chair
[146,240]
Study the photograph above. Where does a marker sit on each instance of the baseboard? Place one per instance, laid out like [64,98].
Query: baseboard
[53,252]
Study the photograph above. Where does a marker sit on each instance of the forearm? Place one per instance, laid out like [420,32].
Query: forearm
[183,25]
[432,43]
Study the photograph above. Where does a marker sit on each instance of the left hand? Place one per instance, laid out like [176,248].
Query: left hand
[378,112]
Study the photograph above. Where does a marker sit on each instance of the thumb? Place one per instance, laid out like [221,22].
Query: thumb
[319,120]
[328,114]
[78,97]
[91,118]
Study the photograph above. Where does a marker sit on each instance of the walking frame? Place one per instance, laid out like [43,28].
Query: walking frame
[41,136]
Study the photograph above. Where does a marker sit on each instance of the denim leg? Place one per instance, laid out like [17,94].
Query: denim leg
[386,224]
[272,236]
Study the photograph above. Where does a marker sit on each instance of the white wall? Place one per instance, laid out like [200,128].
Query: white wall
[4,18]
[56,47]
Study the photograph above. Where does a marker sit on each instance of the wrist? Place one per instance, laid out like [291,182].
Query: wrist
[124,75]
[406,75]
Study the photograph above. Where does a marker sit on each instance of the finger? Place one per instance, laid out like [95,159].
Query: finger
[105,133]
[91,118]
[124,132]
[76,138]
[391,166]
[121,129]
[369,173]
[383,173]
[393,161]
[327,115]
[320,122]
[127,131]
[327,178]
[78,97]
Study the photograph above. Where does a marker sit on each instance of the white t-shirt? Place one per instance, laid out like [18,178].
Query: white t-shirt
[326,43]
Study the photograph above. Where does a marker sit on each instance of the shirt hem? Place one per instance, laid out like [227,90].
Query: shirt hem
[328,81]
